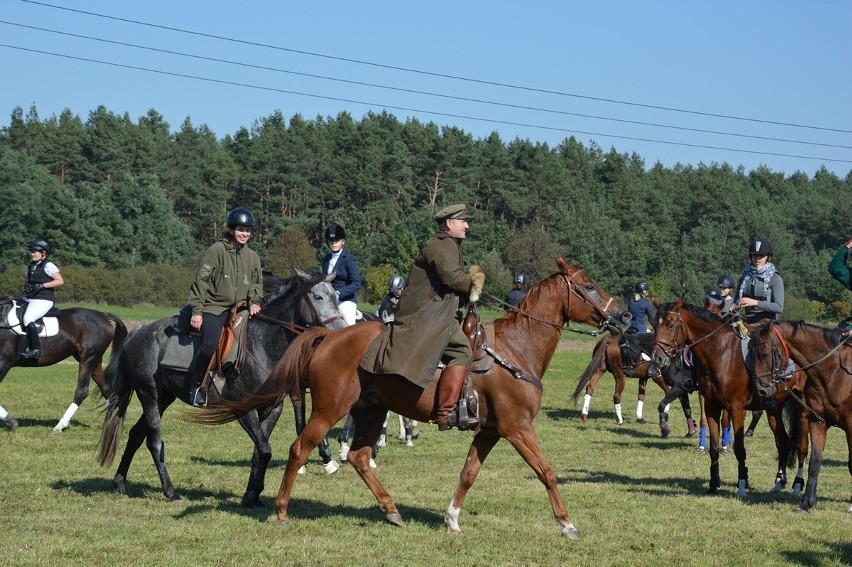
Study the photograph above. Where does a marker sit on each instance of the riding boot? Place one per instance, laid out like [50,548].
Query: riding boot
[197,394]
[34,343]
[450,387]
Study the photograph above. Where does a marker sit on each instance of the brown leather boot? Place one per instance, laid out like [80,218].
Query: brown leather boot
[449,391]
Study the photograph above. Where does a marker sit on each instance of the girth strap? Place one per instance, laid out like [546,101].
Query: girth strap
[516,372]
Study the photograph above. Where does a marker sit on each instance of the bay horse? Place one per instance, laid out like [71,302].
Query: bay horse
[84,334]
[723,379]
[301,301]
[825,356]
[607,357]
[509,391]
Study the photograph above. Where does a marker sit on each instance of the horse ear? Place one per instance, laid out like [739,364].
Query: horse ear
[304,275]
[679,302]
[563,265]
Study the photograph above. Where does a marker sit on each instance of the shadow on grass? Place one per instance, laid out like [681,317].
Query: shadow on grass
[836,552]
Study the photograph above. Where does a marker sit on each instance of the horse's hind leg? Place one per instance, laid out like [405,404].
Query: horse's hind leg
[84,373]
[526,443]
[259,431]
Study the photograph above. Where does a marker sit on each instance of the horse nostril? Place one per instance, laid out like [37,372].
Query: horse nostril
[626,317]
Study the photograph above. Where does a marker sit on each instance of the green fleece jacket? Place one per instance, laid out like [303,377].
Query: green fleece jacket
[227,274]
[838,268]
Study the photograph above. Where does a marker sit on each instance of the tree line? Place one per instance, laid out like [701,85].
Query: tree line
[139,201]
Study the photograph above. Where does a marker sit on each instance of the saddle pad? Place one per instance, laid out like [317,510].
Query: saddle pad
[180,351]
[50,327]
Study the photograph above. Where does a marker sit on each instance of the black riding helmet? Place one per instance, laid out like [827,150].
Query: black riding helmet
[240,216]
[520,278]
[725,282]
[39,244]
[335,232]
[714,296]
[641,286]
[760,248]
[395,283]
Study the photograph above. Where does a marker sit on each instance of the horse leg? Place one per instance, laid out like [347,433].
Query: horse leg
[712,415]
[640,399]
[737,417]
[526,444]
[755,417]
[587,399]
[782,444]
[7,420]
[368,421]
[481,446]
[663,409]
[818,432]
[84,373]
[620,380]
[726,431]
[687,413]
[802,450]
[259,431]
[314,431]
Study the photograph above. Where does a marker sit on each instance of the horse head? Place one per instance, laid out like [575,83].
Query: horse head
[669,333]
[307,297]
[769,352]
[587,302]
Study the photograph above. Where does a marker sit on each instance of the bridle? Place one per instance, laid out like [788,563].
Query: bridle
[574,290]
[670,349]
[305,300]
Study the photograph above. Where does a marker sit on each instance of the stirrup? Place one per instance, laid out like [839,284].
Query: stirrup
[198,397]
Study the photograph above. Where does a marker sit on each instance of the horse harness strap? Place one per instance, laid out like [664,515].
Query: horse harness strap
[516,372]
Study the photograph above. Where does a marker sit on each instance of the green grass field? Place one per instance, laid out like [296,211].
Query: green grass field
[636,498]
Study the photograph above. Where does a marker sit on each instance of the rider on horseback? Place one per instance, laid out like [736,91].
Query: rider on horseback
[418,338]
[229,273]
[42,277]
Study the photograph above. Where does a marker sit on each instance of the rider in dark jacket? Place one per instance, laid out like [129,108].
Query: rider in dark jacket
[41,278]
[518,291]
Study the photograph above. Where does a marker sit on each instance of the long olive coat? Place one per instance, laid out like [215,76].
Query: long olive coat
[414,344]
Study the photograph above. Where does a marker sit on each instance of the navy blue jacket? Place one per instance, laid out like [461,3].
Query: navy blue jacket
[347,278]
[640,308]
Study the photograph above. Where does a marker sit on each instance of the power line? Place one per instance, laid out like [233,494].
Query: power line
[434,74]
[421,92]
[416,110]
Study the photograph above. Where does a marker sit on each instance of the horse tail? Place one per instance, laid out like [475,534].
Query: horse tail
[598,357]
[284,380]
[120,332]
[790,414]
[116,403]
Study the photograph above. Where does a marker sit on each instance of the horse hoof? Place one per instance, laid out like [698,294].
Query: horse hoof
[330,467]
[251,500]
[641,420]
[749,432]
[584,418]
[175,499]
[394,519]
[10,423]
[689,435]
[571,532]
[666,433]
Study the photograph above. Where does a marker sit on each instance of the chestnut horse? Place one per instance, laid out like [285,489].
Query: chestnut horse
[827,361]
[607,357]
[723,379]
[509,392]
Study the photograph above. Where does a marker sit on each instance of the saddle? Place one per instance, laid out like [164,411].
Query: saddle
[635,349]
[184,340]
[48,326]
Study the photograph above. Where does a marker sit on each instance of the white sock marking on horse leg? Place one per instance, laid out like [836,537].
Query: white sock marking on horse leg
[667,408]
[66,417]
[640,406]
[587,402]
[3,413]
[618,417]
[451,518]
[741,488]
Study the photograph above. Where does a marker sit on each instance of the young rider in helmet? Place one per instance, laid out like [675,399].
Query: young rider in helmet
[761,289]
[347,276]
[390,303]
[229,272]
[641,308]
[42,277]
[518,291]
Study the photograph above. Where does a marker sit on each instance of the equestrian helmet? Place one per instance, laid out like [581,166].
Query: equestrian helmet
[240,216]
[641,286]
[520,278]
[395,283]
[39,244]
[714,296]
[760,248]
[725,282]
[335,232]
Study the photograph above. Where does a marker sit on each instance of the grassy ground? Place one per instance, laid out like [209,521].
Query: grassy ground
[636,498]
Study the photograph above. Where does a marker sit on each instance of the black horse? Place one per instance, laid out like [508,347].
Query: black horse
[82,333]
[301,301]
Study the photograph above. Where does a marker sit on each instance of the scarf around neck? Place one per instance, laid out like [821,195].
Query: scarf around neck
[764,273]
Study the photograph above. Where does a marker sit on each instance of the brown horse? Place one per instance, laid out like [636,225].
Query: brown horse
[509,392]
[607,357]
[723,379]
[827,361]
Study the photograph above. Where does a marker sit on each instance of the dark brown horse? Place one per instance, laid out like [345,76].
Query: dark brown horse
[509,392]
[723,379]
[84,334]
[607,357]
[827,361]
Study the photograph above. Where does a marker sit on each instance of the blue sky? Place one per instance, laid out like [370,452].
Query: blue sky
[674,82]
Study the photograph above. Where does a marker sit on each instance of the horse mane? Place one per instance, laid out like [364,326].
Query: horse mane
[832,337]
[696,310]
[531,298]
